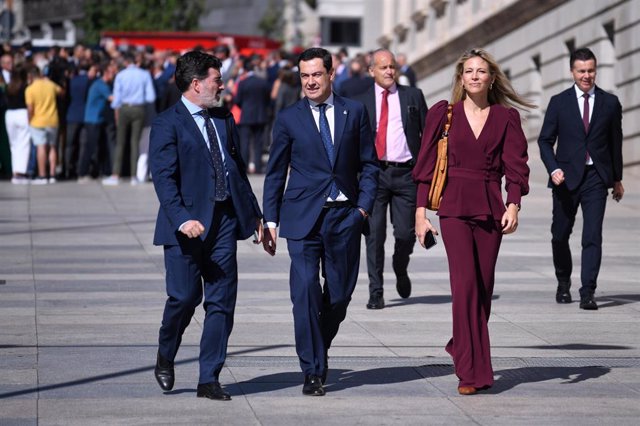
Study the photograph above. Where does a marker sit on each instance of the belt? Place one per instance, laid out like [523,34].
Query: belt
[406,165]
[132,105]
[337,204]
[476,174]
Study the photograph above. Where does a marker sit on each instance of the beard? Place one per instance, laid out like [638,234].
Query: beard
[212,101]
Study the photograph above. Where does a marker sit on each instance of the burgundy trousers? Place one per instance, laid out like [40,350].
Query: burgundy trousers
[472,246]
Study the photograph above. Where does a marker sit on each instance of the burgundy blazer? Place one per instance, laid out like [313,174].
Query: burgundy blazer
[476,167]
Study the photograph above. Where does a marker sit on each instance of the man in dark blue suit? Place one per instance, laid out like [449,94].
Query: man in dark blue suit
[586,121]
[206,205]
[253,98]
[324,143]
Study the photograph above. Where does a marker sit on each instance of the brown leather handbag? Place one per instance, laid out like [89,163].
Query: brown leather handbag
[439,179]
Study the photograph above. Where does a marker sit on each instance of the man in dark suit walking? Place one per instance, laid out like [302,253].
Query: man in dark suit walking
[324,143]
[586,122]
[397,115]
[253,98]
[206,205]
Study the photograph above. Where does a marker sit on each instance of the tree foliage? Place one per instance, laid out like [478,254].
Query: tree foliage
[272,22]
[139,15]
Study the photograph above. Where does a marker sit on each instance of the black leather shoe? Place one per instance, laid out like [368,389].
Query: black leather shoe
[375,302]
[562,293]
[312,385]
[588,304]
[164,373]
[213,391]
[403,285]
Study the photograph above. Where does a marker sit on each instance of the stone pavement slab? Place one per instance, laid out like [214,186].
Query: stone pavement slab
[82,292]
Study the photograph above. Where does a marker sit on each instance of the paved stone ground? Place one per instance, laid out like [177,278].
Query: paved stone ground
[82,291]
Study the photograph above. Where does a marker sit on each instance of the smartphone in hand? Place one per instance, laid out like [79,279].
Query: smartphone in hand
[429,240]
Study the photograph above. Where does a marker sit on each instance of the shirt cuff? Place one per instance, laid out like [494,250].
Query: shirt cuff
[180,227]
[553,172]
[270,225]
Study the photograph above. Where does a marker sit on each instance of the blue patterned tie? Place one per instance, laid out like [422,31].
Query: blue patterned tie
[216,155]
[325,135]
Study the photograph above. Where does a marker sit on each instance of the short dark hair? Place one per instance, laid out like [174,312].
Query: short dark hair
[222,48]
[582,54]
[194,64]
[317,52]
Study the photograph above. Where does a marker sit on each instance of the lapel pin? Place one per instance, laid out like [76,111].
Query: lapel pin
[344,112]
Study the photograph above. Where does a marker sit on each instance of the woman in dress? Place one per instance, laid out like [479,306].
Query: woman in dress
[486,143]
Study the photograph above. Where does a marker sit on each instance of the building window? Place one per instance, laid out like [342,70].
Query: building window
[536,62]
[609,28]
[341,31]
[571,45]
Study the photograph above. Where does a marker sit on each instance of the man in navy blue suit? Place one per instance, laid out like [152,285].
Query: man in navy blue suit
[206,205]
[324,143]
[586,122]
[253,98]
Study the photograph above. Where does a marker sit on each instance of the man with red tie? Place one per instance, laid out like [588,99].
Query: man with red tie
[397,115]
[586,122]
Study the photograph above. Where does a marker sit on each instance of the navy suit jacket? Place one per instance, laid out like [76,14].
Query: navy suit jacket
[253,98]
[297,148]
[603,141]
[184,179]
[413,111]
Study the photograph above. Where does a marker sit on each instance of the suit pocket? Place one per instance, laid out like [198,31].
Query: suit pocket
[293,193]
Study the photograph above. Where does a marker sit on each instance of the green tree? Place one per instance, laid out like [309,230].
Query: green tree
[272,22]
[139,15]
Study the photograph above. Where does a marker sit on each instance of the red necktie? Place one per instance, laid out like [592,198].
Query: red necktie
[585,116]
[381,136]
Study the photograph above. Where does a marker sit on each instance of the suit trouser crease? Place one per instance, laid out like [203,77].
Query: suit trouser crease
[591,196]
[89,147]
[128,129]
[195,269]
[318,310]
[397,190]
[252,144]
[76,133]
[472,250]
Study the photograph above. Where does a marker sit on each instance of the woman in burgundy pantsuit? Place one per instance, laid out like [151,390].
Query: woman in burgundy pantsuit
[486,142]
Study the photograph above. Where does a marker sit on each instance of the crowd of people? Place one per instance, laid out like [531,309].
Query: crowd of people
[91,114]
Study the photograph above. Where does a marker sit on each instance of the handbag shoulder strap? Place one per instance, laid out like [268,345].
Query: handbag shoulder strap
[447,125]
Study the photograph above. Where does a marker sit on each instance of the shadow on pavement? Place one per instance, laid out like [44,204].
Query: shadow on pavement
[508,379]
[341,379]
[426,300]
[576,347]
[617,300]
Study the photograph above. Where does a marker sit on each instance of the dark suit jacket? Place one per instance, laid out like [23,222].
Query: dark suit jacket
[253,98]
[475,166]
[563,122]
[413,110]
[355,85]
[297,147]
[183,176]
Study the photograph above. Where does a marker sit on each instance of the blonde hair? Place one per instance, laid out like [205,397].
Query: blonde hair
[500,92]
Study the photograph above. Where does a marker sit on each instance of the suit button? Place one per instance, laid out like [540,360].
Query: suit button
[325,195]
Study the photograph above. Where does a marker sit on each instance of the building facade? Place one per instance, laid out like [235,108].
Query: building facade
[531,40]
